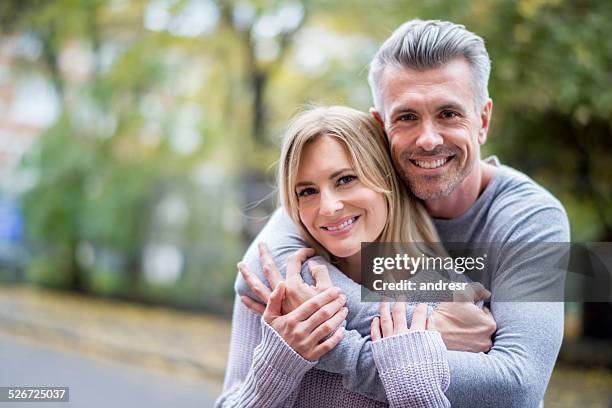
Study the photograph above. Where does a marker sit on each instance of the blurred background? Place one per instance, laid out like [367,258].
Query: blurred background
[138,142]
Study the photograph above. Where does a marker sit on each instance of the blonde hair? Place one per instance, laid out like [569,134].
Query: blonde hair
[364,141]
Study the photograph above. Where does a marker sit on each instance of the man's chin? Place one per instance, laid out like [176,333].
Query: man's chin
[426,192]
[431,195]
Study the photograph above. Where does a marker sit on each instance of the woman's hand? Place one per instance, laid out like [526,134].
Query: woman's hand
[297,291]
[394,322]
[305,328]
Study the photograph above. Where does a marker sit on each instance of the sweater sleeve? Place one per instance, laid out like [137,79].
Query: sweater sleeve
[352,357]
[263,370]
[514,373]
[413,369]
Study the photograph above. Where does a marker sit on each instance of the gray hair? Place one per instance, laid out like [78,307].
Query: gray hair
[429,44]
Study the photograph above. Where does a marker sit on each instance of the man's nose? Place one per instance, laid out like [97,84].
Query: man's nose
[330,203]
[429,137]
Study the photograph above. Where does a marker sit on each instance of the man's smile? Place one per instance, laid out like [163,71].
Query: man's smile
[432,163]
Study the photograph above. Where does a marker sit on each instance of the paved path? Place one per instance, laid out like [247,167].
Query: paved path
[87,343]
[96,383]
[151,336]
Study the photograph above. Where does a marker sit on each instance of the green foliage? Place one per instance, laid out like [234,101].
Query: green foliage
[124,140]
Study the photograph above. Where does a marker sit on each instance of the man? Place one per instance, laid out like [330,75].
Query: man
[429,84]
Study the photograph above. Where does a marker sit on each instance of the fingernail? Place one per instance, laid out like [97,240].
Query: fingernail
[342,298]
[344,310]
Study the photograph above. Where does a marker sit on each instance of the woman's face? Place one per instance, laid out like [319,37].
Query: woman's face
[335,207]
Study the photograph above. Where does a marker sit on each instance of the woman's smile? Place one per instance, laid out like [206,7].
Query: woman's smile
[344,226]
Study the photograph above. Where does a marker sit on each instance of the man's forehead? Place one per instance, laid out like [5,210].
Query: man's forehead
[447,84]
[455,69]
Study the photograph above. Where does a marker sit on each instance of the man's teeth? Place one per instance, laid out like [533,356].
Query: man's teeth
[431,164]
[342,226]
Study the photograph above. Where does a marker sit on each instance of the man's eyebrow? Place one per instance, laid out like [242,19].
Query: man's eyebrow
[402,109]
[331,177]
[450,105]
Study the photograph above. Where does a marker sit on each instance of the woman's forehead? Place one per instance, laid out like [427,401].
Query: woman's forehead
[323,156]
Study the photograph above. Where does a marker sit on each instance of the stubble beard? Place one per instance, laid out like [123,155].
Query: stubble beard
[433,187]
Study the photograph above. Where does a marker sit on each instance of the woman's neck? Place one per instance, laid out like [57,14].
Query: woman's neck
[351,266]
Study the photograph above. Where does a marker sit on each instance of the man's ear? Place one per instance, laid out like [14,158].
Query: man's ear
[485,121]
[376,115]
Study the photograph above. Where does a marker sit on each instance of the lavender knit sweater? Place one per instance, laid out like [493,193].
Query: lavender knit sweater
[265,372]
[411,369]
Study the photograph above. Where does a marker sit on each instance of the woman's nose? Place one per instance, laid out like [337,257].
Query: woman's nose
[330,203]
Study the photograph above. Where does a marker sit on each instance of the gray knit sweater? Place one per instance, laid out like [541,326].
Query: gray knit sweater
[408,370]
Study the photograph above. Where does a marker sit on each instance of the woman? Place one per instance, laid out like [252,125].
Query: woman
[338,185]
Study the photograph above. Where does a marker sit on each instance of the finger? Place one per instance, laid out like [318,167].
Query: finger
[306,309]
[261,290]
[268,265]
[399,318]
[480,293]
[386,324]
[273,308]
[253,305]
[328,326]
[375,329]
[295,261]
[329,344]
[324,313]
[490,319]
[419,317]
[468,294]
[320,274]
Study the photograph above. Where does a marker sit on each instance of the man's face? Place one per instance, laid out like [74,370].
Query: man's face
[433,128]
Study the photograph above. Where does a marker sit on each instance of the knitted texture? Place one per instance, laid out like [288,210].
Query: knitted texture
[419,356]
[263,371]
[515,372]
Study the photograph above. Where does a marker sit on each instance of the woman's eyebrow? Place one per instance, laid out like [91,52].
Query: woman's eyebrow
[331,177]
[338,172]
[304,183]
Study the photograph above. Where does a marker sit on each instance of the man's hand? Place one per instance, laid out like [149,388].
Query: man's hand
[296,292]
[462,324]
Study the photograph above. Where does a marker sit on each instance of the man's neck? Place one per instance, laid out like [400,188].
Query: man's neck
[463,197]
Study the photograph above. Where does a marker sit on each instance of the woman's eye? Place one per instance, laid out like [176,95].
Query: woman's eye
[306,192]
[346,179]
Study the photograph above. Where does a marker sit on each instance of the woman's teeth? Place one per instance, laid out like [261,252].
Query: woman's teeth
[431,164]
[342,226]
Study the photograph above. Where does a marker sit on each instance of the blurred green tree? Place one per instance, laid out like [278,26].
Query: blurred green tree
[174,91]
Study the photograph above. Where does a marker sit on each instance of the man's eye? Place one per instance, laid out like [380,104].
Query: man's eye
[407,117]
[346,179]
[306,192]
[449,114]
